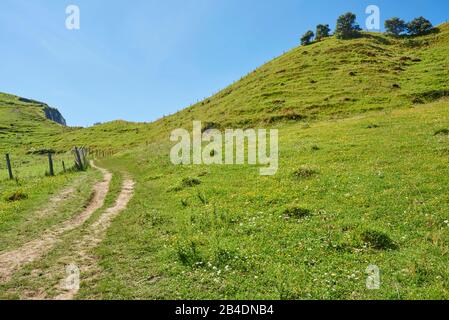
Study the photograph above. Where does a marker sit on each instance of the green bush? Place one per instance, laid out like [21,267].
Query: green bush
[395,26]
[322,31]
[307,38]
[419,26]
[347,27]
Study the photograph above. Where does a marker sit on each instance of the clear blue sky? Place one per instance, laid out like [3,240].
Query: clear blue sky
[139,60]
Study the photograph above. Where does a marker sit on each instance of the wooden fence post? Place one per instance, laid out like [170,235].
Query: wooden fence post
[63,166]
[78,159]
[84,157]
[8,164]
[50,165]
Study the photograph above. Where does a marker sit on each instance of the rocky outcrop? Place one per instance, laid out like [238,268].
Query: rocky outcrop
[54,115]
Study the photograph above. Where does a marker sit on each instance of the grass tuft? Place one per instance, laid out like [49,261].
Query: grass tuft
[378,240]
[190,182]
[17,195]
[305,172]
[294,212]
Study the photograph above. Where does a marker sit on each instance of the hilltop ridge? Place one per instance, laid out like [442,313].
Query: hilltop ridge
[333,78]
[25,122]
[53,114]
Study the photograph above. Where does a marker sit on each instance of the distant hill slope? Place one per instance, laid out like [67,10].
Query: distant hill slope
[325,80]
[25,122]
[53,114]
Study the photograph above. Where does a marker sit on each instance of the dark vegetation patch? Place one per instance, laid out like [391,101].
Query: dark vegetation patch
[305,172]
[184,202]
[226,93]
[190,182]
[189,254]
[378,240]
[41,151]
[30,101]
[185,183]
[442,132]
[278,104]
[210,126]
[295,212]
[415,43]
[286,115]
[429,96]
[202,197]
[223,257]
[17,195]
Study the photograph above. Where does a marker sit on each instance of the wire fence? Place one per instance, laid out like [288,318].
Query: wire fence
[29,166]
[23,166]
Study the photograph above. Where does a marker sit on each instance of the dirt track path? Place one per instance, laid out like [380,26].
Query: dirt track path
[13,260]
[95,233]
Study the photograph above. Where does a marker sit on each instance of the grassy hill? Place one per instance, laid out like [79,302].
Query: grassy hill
[326,80]
[23,123]
[362,181]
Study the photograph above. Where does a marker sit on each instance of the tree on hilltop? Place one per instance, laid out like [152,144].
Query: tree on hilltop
[322,31]
[347,27]
[307,38]
[419,26]
[395,26]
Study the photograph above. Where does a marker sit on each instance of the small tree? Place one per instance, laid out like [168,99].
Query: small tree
[307,38]
[347,28]
[322,31]
[419,26]
[395,26]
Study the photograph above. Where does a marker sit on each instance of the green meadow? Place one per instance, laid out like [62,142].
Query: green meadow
[363,180]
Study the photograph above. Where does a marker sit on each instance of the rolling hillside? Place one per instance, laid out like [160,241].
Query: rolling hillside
[362,181]
[23,123]
[325,80]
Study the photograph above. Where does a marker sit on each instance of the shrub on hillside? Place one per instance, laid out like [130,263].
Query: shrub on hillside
[17,195]
[419,26]
[395,26]
[347,27]
[378,240]
[307,38]
[322,31]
